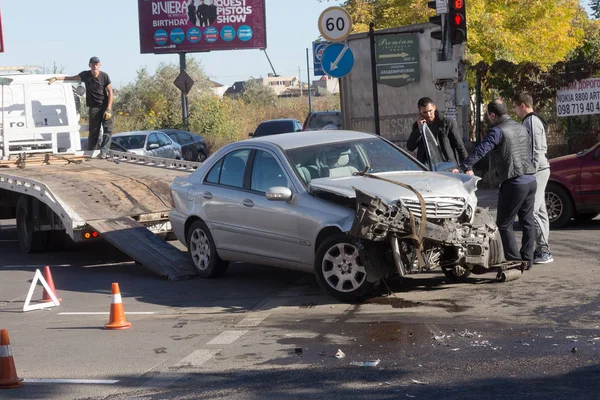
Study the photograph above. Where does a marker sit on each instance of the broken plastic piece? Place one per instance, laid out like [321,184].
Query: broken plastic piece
[365,363]
[340,354]
[441,337]
[298,350]
[416,382]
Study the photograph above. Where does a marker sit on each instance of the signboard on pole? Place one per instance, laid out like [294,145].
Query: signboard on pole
[335,24]
[318,49]
[579,98]
[338,60]
[397,59]
[183,26]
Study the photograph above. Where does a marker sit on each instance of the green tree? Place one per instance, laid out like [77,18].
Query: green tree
[538,31]
[258,94]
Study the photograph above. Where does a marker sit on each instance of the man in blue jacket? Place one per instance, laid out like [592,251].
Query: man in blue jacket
[509,145]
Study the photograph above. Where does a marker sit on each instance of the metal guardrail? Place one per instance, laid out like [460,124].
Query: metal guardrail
[159,162]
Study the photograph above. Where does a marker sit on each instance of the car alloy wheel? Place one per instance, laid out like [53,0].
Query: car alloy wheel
[342,268]
[554,206]
[200,249]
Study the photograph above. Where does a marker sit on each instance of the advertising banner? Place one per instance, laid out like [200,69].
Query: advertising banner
[181,26]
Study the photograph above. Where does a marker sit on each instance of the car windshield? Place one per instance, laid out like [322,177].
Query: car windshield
[130,142]
[273,128]
[342,159]
[320,121]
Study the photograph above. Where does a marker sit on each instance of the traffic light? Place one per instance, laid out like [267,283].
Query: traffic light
[458,21]
[436,20]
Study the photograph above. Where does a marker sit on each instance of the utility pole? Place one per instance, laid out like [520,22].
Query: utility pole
[309,89]
[299,81]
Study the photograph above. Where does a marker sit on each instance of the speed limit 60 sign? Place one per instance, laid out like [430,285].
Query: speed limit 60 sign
[335,24]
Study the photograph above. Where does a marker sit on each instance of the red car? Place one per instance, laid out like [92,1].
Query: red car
[573,190]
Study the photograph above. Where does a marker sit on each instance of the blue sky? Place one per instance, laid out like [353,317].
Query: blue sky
[69,32]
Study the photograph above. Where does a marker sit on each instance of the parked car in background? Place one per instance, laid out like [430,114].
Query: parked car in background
[573,190]
[323,120]
[299,201]
[276,126]
[148,143]
[193,147]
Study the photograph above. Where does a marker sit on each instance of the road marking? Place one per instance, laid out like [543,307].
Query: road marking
[251,320]
[76,381]
[197,358]
[227,337]
[106,313]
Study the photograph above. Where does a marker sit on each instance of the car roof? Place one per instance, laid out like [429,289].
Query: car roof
[326,112]
[144,133]
[304,139]
[279,120]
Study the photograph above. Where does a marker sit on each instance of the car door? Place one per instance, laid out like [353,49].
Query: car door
[272,227]
[166,149]
[152,145]
[590,180]
[188,147]
[221,196]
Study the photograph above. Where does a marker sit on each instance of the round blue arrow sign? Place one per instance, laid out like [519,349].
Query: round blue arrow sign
[337,60]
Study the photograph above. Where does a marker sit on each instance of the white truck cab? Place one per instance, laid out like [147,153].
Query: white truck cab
[37,117]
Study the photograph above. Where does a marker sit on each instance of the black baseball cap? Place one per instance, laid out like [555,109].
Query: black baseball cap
[94,60]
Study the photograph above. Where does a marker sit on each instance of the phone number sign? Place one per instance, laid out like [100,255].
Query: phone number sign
[579,98]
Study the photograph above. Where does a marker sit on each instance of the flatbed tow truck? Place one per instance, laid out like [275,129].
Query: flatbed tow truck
[124,199]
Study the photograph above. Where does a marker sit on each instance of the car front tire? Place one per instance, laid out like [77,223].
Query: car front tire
[202,250]
[340,271]
[559,205]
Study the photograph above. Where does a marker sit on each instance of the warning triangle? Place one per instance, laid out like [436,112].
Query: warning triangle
[38,277]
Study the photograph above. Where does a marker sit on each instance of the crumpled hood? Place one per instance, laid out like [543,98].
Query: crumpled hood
[428,184]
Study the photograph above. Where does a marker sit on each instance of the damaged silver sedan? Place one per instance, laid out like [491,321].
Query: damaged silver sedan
[350,207]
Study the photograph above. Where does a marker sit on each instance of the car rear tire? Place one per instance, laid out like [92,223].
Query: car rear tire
[201,157]
[202,250]
[340,271]
[30,241]
[559,205]
[586,216]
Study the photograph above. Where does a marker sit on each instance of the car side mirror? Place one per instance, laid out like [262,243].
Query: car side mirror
[279,193]
[153,146]
[251,134]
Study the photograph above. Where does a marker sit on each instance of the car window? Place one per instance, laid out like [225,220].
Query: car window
[274,128]
[173,137]
[152,139]
[215,172]
[434,154]
[298,126]
[322,120]
[130,142]
[163,140]
[335,160]
[267,173]
[233,168]
[185,138]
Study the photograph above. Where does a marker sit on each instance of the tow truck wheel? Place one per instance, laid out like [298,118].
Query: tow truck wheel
[29,240]
[203,251]
[456,274]
[340,271]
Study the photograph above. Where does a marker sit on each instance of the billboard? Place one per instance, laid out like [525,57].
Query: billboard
[180,26]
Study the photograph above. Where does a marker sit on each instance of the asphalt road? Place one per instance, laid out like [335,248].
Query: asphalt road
[262,332]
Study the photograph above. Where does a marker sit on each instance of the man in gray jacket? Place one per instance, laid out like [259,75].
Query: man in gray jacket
[536,126]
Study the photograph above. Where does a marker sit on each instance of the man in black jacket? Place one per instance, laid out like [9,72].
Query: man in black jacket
[444,131]
[509,145]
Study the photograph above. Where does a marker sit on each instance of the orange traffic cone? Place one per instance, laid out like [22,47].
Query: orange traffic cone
[8,372]
[48,277]
[117,312]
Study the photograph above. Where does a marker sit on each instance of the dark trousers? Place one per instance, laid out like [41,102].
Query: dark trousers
[97,120]
[516,200]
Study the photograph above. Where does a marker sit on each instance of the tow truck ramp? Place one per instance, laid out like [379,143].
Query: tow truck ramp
[135,240]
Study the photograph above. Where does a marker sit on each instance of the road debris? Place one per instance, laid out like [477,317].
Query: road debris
[340,354]
[457,349]
[298,350]
[416,382]
[574,350]
[365,363]
[468,334]
[441,337]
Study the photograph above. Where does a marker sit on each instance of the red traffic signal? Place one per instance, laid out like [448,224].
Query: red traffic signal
[458,23]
